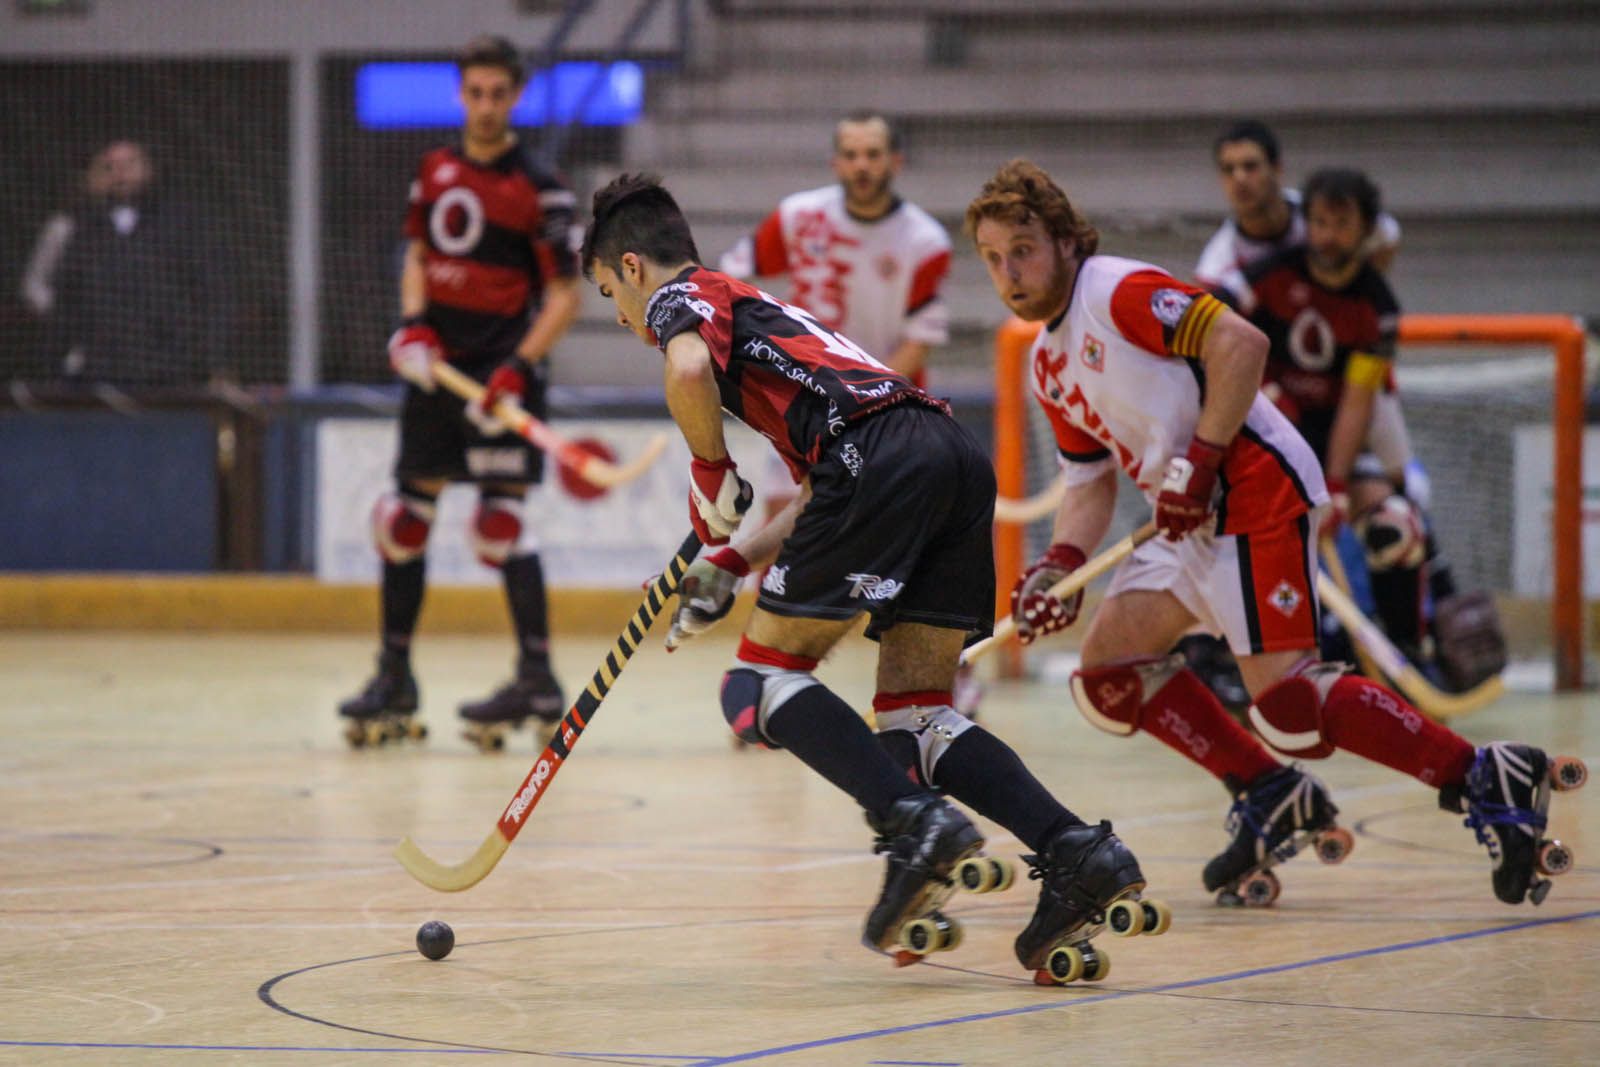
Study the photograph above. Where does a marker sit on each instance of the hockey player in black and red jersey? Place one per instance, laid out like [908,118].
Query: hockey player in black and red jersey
[489,284]
[892,521]
[865,262]
[1331,319]
[1139,371]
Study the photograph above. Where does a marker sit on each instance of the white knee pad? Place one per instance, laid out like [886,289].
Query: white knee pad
[935,729]
[400,526]
[496,526]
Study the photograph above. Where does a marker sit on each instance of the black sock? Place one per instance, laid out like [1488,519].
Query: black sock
[524,581]
[982,772]
[402,589]
[830,738]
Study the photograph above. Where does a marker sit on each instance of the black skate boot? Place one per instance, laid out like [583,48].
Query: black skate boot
[1274,818]
[1505,798]
[383,710]
[533,694]
[1088,882]
[924,839]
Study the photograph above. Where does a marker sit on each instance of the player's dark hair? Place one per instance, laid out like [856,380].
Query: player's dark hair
[491,50]
[1251,130]
[635,214]
[1344,185]
[866,115]
[1020,191]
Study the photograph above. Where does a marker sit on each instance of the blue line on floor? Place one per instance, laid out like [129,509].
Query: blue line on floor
[242,1048]
[1235,976]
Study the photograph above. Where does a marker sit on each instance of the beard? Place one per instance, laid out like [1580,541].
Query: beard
[1044,306]
[865,191]
[1333,260]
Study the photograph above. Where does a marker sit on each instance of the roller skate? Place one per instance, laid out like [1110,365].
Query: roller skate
[1279,814]
[1505,798]
[931,848]
[383,711]
[533,694]
[1088,882]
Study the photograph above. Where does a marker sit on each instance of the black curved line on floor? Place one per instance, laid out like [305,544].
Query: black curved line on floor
[208,850]
[265,990]
[1362,827]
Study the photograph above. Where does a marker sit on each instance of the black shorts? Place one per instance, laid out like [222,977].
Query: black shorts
[437,440]
[899,525]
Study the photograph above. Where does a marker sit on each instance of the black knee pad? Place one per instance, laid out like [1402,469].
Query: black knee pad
[741,705]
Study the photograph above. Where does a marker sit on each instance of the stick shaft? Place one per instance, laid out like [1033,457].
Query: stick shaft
[471,871]
[587,705]
[588,466]
[1094,568]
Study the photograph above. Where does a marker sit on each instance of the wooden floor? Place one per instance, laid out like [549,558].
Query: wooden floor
[197,870]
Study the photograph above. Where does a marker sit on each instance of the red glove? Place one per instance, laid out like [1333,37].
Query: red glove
[1338,512]
[413,350]
[508,382]
[1185,500]
[1033,609]
[718,499]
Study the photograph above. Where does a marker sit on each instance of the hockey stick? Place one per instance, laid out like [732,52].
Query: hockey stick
[1094,568]
[586,465]
[1429,699]
[1042,504]
[465,875]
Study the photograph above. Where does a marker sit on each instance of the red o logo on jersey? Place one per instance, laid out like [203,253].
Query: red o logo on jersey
[1311,341]
[456,221]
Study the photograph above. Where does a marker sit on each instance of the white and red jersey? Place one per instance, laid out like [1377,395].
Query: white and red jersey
[877,282]
[1120,378]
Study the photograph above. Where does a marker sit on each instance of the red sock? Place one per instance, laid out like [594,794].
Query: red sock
[1363,717]
[1187,716]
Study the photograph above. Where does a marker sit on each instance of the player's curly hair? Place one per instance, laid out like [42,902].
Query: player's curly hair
[634,213]
[1344,185]
[1021,190]
[492,50]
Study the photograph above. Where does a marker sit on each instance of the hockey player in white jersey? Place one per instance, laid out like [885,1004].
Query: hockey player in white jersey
[1139,371]
[863,260]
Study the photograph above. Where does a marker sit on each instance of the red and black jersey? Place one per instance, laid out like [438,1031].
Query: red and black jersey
[1316,333]
[778,370]
[495,233]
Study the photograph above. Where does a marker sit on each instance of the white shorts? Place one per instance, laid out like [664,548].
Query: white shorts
[1257,591]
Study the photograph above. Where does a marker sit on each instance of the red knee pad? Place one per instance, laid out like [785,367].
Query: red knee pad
[1288,716]
[1110,695]
[496,526]
[400,526]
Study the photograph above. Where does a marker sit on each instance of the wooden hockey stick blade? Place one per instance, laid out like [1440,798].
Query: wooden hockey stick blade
[453,878]
[585,464]
[1040,505]
[1428,698]
[1005,627]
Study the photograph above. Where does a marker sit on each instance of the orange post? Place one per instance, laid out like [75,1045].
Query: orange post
[1565,336]
[1011,345]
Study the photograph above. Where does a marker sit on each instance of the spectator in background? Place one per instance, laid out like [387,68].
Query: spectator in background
[132,282]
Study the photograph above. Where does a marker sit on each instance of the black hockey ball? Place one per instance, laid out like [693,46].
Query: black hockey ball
[435,939]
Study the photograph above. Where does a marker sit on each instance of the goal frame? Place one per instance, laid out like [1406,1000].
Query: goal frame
[1563,335]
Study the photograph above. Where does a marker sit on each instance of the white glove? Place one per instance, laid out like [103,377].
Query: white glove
[718,499]
[413,350]
[705,595]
